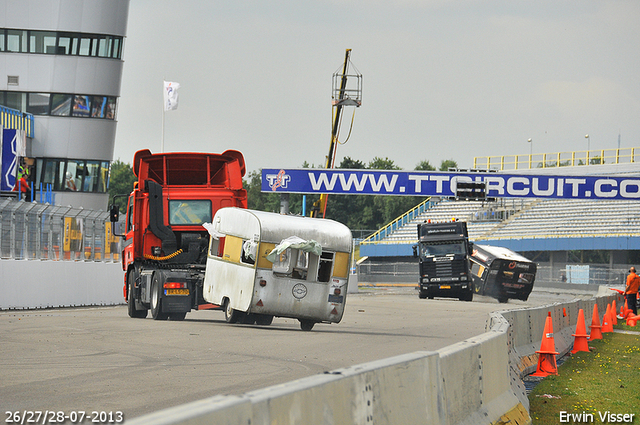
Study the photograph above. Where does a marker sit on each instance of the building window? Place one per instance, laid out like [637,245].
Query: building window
[60,43]
[16,41]
[81,106]
[103,183]
[38,103]
[42,42]
[61,105]
[75,175]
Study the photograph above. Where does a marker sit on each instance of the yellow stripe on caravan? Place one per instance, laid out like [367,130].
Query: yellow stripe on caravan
[232,249]
[263,250]
[341,265]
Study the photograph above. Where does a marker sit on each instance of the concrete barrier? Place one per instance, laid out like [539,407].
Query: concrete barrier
[26,284]
[477,381]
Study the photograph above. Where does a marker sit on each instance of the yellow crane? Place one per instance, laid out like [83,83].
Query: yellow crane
[346,91]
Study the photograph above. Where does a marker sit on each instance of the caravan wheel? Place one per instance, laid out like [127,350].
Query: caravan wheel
[306,325]
[230,315]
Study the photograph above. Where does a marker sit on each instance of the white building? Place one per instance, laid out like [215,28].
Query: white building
[61,60]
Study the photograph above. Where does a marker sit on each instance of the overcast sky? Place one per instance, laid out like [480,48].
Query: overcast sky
[441,79]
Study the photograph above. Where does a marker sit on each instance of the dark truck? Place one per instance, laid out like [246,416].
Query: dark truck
[501,273]
[443,250]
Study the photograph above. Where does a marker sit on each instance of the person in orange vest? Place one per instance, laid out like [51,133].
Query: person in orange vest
[631,290]
[22,183]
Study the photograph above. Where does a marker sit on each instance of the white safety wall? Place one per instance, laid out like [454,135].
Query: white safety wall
[28,284]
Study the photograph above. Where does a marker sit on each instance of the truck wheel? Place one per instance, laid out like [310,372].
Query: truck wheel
[131,302]
[306,325]
[422,294]
[503,299]
[177,316]
[467,296]
[156,301]
[230,315]
[264,319]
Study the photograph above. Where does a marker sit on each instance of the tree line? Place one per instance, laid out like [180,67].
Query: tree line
[359,212]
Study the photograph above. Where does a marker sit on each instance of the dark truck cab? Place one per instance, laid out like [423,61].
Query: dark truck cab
[443,251]
[501,273]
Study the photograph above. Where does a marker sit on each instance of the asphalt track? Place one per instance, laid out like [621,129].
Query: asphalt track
[98,359]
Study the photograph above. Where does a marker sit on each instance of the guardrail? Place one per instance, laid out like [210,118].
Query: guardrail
[33,231]
[17,120]
[399,222]
[477,381]
[558,159]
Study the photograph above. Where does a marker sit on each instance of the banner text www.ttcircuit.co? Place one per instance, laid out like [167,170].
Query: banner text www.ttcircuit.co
[414,183]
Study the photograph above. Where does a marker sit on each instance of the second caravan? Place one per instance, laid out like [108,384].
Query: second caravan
[262,265]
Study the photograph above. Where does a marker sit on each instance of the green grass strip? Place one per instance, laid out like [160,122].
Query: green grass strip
[598,387]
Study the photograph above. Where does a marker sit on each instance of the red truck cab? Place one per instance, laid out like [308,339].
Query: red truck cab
[165,246]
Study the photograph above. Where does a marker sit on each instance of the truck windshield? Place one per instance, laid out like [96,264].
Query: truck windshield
[442,248]
[186,212]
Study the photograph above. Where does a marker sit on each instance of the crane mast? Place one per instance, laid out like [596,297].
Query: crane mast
[344,94]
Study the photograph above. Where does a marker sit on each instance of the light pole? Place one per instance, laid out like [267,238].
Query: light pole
[586,136]
[588,142]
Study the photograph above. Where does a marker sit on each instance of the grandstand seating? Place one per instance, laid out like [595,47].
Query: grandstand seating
[525,219]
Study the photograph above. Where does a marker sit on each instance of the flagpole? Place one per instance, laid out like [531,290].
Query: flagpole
[163,107]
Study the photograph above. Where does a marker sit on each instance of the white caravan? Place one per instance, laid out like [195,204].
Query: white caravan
[262,265]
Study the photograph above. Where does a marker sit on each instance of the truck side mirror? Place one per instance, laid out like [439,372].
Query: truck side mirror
[415,251]
[470,248]
[114,213]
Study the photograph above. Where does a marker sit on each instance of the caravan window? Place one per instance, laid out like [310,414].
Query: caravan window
[283,262]
[326,267]
[293,263]
[216,247]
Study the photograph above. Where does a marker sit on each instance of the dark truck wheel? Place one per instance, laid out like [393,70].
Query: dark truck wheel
[156,300]
[131,301]
[176,317]
[422,294]
[466,296]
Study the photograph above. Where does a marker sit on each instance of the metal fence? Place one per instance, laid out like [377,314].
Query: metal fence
[579,274]
[33,231]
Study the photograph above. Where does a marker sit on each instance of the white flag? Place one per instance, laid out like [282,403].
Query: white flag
[170,95]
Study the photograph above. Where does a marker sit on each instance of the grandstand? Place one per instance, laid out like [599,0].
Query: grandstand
[549,231]
[553,218]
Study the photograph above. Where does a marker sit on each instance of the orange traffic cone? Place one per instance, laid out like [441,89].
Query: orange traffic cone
[595,325]
[632,320]
[613,315]
[580,340]
[547,353]
[607,326]
[627,310]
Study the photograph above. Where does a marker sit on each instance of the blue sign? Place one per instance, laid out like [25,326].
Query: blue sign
[9,159]
[428,183]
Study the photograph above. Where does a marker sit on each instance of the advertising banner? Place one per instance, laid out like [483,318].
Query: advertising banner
[430,183]
[11,149]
